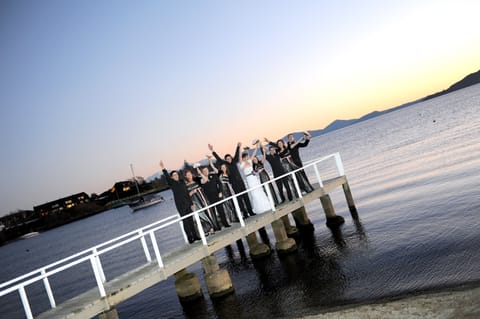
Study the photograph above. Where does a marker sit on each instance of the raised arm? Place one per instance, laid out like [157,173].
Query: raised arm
[203,178]
[297,143]
[307,136]
[211,164]
[270,143]
[263,154]
[165,173]
[218,158]
[236,157]
[255,151]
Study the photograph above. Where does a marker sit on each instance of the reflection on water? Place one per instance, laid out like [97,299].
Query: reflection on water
[286,284]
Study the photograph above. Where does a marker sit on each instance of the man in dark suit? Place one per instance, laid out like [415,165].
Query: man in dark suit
[235,178]
[277,168]
[183,202]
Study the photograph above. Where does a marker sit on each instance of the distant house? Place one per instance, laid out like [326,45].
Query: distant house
[120,190]
[61,204]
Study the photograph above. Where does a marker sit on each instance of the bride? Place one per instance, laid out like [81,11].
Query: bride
[260,202]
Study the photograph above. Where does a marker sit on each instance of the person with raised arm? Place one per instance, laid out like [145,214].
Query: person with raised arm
[227,191]
[260,202]
[182,199]
[207,217]
[275,162]
[212,188]
[289,166]
[259,168]
[235,178]
[295,154]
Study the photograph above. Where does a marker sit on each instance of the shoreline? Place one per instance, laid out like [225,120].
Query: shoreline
[454,302]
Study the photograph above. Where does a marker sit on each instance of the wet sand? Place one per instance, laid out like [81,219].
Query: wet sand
[459,303]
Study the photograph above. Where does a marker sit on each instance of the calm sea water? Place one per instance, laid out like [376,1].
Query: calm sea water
[415,178]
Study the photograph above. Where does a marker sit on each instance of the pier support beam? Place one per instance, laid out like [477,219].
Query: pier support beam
[257,249]
[349,197]
[217,280]
[332,219]
[187,286]
[291,230]
[301,219]
[284,244]
[110,314]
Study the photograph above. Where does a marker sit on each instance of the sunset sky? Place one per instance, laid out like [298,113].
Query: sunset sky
[88,87]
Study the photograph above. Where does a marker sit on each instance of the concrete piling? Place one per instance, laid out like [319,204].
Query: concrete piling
[218,280]
[284,244]
[187,286]
[301,219]
[257,249]
[110,314]
[349,198]
[291,230]
[332,219]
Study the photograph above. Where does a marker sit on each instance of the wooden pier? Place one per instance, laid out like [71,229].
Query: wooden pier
[103,299]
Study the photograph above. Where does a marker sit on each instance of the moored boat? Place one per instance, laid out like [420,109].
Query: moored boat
[142,203]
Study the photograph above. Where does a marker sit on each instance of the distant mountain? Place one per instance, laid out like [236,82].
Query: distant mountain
[471,79]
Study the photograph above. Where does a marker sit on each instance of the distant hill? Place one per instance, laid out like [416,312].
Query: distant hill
[471,79]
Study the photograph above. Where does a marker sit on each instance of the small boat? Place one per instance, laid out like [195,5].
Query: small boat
[29,235]
[144,203]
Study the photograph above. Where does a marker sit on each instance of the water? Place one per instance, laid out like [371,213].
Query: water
[415,180]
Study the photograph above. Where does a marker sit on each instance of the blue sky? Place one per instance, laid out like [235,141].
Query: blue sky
[88,87]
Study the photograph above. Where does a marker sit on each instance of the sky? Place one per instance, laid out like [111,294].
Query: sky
[89,87]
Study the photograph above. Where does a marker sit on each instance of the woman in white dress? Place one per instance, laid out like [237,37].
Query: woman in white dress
[260,202]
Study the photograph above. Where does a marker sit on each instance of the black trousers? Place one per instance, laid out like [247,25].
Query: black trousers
[189,227]
[220,211]
[283,183]
[243,200]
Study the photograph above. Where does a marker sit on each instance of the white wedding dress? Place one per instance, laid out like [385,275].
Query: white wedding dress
[259,199]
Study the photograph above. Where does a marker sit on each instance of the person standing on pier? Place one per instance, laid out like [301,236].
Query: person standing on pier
[295,154]
[227,191]
[208,217]
[259,168]
[235,178]
[183,202]
[260,201]
[212,188]
[277,168]
[288,165]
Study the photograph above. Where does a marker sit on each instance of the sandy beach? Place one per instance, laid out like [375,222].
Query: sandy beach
[460,303]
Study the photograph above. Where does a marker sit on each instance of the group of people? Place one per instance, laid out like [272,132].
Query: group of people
[223,178]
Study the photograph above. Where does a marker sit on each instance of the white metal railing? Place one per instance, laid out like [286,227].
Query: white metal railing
[93,254]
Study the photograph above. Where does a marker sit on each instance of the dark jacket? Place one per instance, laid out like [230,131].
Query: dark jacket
[182,199]
[294,152]
[235,177]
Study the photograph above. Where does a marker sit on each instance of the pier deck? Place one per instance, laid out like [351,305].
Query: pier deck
[89,304]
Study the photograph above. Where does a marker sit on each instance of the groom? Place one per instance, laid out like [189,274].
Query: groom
[235,178]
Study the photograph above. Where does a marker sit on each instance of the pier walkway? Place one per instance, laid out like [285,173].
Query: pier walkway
[103,298]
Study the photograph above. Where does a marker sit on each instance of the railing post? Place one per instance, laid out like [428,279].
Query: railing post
[269,195]
[98,277]
[338,160]
[46,283]
[99,264]
[145,247]
[26,305]
[185,237]
[200,228]
[297,187]
[237,210]
[317,173]
[156,250]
